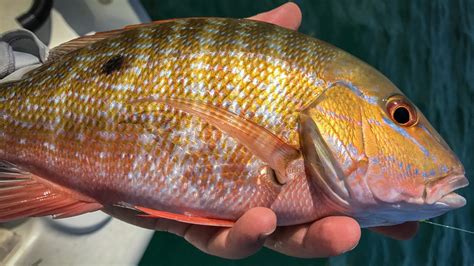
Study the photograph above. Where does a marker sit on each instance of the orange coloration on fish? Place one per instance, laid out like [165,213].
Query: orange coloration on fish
[199,120]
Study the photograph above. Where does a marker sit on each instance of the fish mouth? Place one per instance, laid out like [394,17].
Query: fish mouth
[441,192]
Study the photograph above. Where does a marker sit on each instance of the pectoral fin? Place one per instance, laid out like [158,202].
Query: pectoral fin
[261,142]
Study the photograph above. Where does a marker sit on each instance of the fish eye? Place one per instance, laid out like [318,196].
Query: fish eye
[401,111]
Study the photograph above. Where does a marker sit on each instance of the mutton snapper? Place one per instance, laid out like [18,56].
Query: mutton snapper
[199,120]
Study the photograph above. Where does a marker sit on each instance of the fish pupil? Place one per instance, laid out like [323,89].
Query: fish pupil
[113,64]
[401,115]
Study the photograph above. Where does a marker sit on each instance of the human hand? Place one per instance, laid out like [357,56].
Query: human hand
[329,236]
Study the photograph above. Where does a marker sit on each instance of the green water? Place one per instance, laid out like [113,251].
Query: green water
[427,49]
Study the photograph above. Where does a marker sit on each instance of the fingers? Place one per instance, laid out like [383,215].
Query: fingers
[244,239]
[287,16]
[329,236]
[399,232]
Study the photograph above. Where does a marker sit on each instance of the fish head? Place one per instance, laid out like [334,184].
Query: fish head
[375,152]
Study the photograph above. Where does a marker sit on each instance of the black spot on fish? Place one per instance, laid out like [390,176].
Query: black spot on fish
[115,63]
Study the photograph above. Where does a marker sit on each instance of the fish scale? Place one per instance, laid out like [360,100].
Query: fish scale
[76,103]
[109,121]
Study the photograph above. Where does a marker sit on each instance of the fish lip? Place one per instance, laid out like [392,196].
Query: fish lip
[442,191]
[452,201]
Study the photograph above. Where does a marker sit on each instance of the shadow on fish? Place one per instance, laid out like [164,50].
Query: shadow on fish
[199,120]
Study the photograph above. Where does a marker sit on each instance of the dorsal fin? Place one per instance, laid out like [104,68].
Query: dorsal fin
[157,22]
[78,43]
[83,41]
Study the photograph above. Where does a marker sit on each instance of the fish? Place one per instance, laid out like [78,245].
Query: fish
[198,120]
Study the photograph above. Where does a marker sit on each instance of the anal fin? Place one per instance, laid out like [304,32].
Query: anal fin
[23,194]
[151,213]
